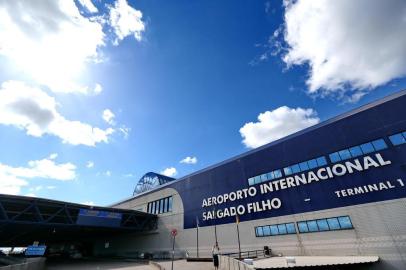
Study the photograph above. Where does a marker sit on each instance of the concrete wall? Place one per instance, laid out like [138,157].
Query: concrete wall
[379,229]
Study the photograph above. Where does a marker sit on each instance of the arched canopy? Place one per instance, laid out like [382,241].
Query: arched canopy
[150,181]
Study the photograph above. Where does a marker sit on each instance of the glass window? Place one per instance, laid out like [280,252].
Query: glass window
[335,157]
[321,161]
[287,170]
[170,202]
[344,154]
[166,205]
[274,230]
[295,168]
[266,231]
[282,228]
[270,176]
[264,177]
[277,173]
[259,232]
[312,225]
[152,207]
[304,166]
[379,144]
[397,139]
[257,179]
[367,148]
[157,207]
[312,163]
[356,151]
[161,206]
[345,222]
[290,227]
[333,223]
[322,224]
[302,226]
[251,181]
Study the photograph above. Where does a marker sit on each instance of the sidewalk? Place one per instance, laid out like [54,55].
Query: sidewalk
[184,265]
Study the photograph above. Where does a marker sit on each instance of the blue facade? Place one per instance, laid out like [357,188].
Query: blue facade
[364,136]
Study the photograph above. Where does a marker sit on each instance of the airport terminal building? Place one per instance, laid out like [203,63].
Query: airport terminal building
[336,188]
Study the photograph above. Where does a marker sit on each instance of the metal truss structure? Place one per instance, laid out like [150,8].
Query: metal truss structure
[26,219]
[150,181]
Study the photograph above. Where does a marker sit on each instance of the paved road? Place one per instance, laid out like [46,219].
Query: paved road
[95,264]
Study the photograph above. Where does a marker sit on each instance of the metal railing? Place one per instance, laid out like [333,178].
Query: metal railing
[258,253]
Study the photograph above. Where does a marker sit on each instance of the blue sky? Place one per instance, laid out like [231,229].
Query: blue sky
[200,79]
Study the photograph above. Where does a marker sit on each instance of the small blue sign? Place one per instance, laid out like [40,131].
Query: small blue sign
[35,250]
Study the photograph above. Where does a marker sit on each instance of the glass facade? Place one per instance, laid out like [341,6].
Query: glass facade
[358,150]
[399,138]
[295,168]
[277,229]
[344,154]
[316,225]
[325,224]
[305,165]
[150,181]
[160,206]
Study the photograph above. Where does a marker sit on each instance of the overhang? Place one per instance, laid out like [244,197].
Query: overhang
[27,219]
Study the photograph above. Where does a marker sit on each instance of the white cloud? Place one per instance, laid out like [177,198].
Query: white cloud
[33,110]
[108,116]
[51,42]
[90,164]
[91,203]
[171,172]
[273,125]
[126,21]
[89,6]
[10,184]
[107,173]
[349,45]
[51,187]
[189,160]
[98,89]
[12,179]
[30,195]
[53,156]
[36,188]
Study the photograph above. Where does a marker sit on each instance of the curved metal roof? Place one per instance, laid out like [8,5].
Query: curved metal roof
[150,181]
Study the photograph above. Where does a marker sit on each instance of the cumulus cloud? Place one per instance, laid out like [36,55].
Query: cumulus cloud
[273,125]
[189,160]
[34,111]
[348,45]
[51,41]
[89,6]
[126,21]
[108,116]
[171,172]
[12,179]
